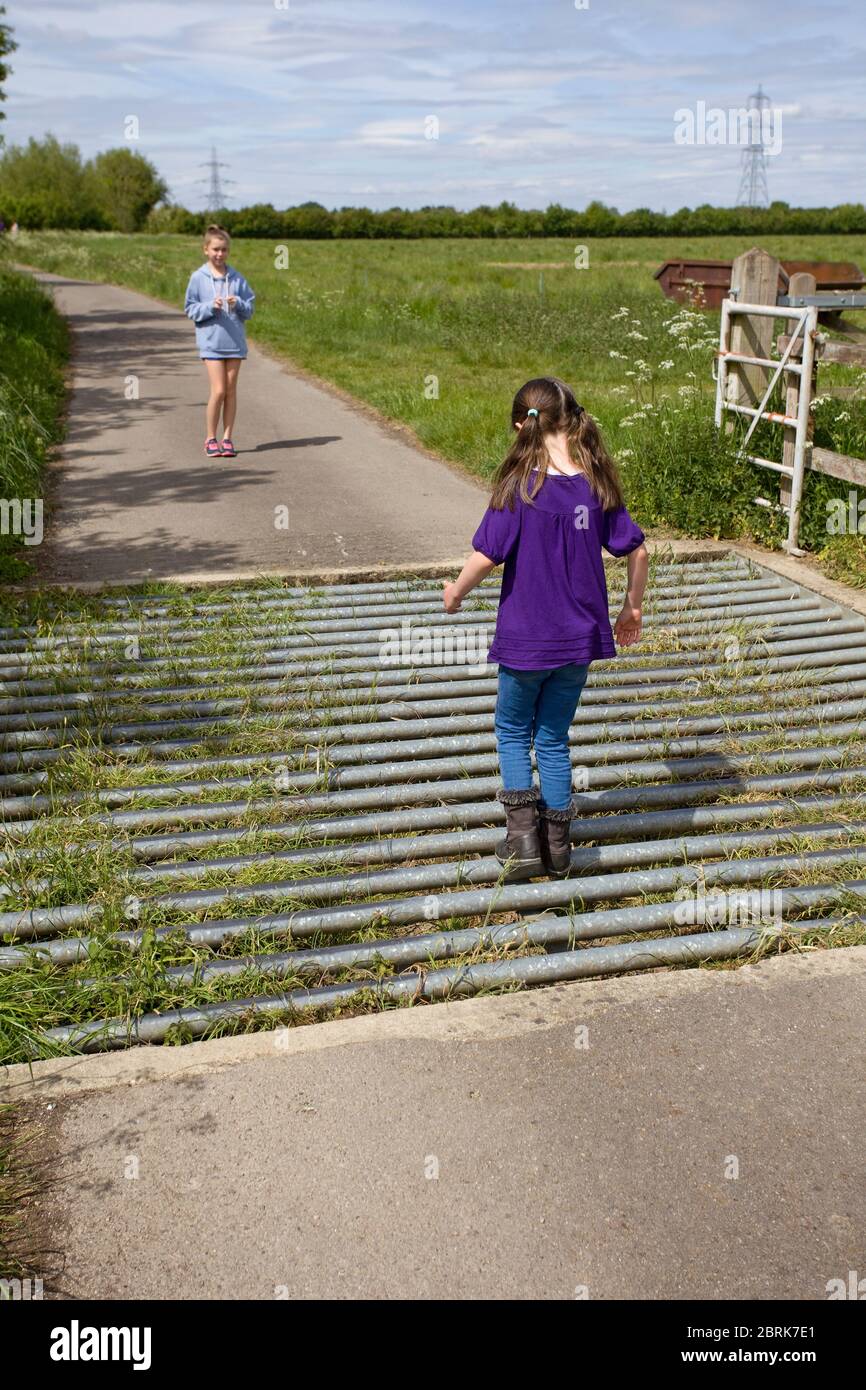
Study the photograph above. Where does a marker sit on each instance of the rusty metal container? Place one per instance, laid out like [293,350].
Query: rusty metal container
[829,275]
[709,282]
[705,283]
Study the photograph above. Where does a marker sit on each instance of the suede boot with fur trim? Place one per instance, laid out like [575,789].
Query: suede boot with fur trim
[554,835]
[521,844]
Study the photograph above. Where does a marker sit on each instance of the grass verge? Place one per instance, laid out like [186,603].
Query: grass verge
[34,347]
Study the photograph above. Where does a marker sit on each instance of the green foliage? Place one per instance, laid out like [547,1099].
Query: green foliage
[33,350]
[844,559]
[127,187]
[308,220]
[830,504]
[7,46]
[44,184]
[168,217]
[682,472]
[312,220]
[261,219]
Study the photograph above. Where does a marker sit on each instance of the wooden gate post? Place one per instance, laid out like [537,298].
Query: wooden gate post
[754,280]
[800,283]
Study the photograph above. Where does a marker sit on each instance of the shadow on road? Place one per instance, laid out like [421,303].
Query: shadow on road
[105,556]
[292,443]
[153,485]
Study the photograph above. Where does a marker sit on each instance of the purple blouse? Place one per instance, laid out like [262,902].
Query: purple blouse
[553,605]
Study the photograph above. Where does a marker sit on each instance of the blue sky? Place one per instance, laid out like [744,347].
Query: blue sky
[537,101]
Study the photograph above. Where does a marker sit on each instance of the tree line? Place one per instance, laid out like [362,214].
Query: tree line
[596,220]
[46,184]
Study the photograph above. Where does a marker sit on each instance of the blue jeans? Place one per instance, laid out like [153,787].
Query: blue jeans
[538,707]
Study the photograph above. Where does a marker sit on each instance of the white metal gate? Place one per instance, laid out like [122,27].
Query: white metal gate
[804,327]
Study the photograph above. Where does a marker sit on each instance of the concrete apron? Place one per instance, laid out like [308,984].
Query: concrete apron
[458,1020]
[686,1135]
[787,566]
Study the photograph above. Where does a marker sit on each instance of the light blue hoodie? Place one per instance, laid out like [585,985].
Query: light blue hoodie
[217,332]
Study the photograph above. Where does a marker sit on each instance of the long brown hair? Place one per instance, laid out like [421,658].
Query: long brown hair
[557,410]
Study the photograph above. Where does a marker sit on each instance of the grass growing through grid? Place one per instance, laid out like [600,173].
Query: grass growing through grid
[78,854]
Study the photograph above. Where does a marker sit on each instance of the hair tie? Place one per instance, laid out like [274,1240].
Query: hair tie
[533,411]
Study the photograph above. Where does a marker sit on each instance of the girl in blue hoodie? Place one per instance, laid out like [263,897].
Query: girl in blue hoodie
[219,300]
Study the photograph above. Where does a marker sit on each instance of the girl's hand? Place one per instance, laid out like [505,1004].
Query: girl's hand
[218,301]
[627,628]
[232,300]
[451,598]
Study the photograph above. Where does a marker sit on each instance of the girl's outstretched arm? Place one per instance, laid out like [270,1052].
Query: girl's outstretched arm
[628,626]
[477,567]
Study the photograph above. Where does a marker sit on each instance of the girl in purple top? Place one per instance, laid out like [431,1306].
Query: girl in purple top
[557,500]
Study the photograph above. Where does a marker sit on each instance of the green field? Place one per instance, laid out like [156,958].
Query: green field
[439,334]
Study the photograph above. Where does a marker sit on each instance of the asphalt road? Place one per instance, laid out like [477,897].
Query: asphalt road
[135,498]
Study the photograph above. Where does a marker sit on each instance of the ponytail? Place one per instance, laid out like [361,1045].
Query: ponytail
[543,406]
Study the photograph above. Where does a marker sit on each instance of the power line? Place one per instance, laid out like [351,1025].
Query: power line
[753,179]
[216,198]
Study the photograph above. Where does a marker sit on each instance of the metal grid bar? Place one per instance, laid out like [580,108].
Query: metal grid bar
[368,806]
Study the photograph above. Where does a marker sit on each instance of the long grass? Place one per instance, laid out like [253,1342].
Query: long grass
[33,353]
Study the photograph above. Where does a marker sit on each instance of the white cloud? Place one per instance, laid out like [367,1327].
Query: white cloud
[531,98]
[388,134]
